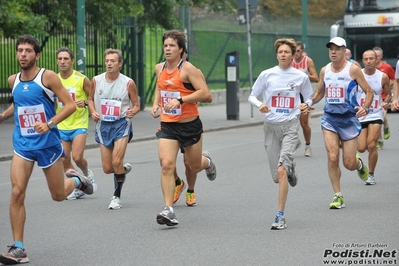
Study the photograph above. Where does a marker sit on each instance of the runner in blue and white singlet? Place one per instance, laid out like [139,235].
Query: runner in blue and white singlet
[30,107]
[339,82]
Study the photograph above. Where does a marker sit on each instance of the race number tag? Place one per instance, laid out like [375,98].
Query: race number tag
[166,96]
[28,116]
[110,110]
[72,93]
[283,101]
[335,95]
[374,104]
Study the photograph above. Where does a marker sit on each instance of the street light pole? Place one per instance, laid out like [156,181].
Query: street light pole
[249,50]
[81,39]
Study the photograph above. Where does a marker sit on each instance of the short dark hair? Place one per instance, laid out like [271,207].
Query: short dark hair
[65,49]
[29,39]
[298,43]
[114,51]
[179,37]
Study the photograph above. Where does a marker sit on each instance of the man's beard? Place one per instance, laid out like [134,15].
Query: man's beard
[29,65]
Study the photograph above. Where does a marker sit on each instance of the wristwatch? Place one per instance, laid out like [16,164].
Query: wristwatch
[86,103]
[180,99]
[366,109]
[50,124]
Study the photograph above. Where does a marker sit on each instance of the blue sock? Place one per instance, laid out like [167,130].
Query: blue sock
[78,183]
[280,213]
[19,244]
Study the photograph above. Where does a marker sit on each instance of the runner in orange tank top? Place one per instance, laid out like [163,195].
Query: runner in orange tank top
[179,87]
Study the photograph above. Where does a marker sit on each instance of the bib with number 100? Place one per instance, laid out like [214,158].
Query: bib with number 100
[283,101]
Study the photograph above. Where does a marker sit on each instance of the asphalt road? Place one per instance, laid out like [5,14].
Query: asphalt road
[230,225]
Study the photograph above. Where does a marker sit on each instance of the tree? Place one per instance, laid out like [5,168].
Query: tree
[45,17]
[316,8]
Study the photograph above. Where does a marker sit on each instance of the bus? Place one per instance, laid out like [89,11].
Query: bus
[368,24]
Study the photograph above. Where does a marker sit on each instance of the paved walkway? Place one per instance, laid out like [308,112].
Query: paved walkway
[213,117]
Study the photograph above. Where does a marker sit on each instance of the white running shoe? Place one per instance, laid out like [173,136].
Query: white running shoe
[76,194]
[91,177]
[308,151]
[370,180]
[115,203]
[128,167]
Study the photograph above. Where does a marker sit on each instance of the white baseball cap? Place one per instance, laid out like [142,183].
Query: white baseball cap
[338,41]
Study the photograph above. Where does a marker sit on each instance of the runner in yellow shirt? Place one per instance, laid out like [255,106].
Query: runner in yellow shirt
[74,129]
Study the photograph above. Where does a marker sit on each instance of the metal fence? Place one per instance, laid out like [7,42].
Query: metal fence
[210,38]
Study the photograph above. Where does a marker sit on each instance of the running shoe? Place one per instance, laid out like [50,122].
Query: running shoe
[15,255]
[211,170]
[279,223]
[86,186]
[178,190]
[128,167]
[370,180]
[91,177]
[115,203]
[337,202]
[363,173]
[380,143]
[190,199]
[292,177]
[308,151]
[76,194]
[167,217]
[387,132]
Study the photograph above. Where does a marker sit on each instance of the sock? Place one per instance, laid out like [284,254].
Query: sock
[339,194]
[171,208]
[360,165]
[371,174]
[307,144]
[178,181]
[119,179]
[19,244]
[280,213]
[209,163]
[78,182]
[190,190]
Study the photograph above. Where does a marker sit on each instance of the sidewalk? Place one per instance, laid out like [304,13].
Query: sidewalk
[213,117]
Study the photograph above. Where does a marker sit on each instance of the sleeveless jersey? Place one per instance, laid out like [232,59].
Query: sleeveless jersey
[171,86]
[375,111]
[80,118]
[33,102]
[280,89]
[111,98]
[302,65]
[340,92]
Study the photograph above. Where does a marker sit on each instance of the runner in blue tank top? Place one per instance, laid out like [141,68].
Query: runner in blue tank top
[36,138]
[339,81]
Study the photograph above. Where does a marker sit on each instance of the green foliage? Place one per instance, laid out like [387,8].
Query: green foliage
[316,8]
[22,16]
[16,18]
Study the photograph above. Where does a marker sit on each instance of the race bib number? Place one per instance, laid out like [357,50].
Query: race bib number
[166,96]
[374,104]
[282,101]
[110,110]
[72,93]
[28,116]
[335,95]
